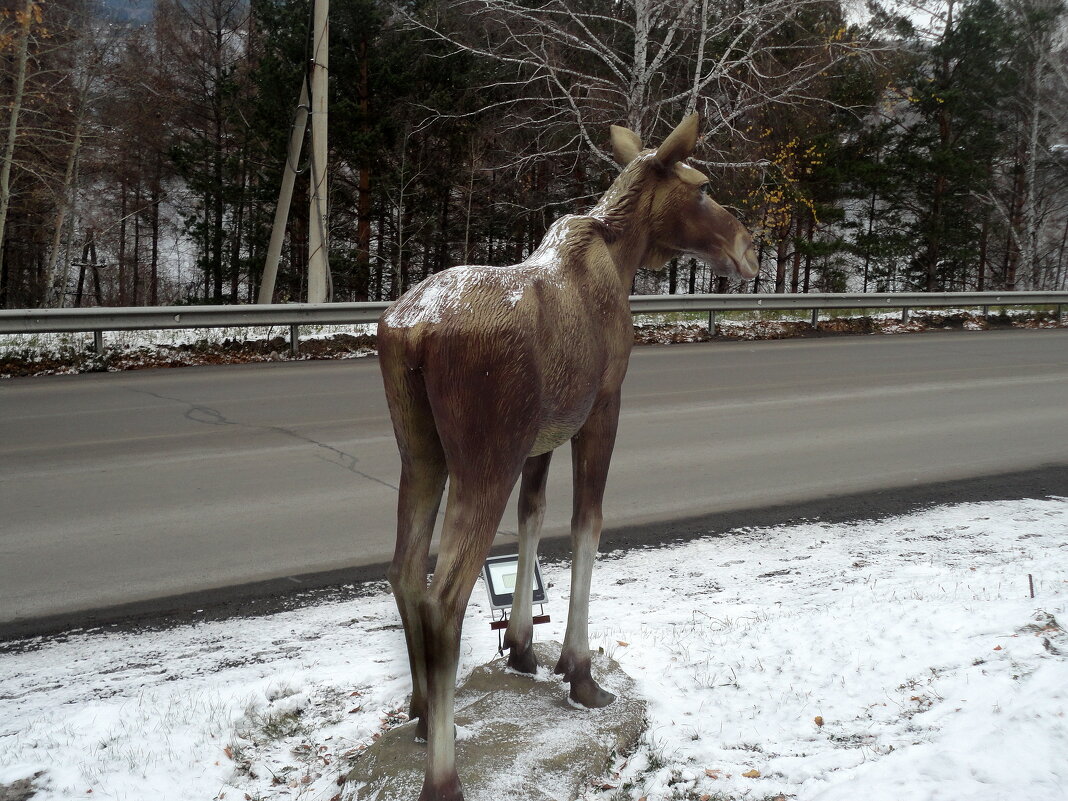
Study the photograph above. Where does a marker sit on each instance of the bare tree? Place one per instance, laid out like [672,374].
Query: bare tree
[565,69]
[90,57]
[24,20]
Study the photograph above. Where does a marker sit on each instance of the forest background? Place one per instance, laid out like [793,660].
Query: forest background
[879,146]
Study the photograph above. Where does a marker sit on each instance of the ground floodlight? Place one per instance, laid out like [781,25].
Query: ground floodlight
[500,574]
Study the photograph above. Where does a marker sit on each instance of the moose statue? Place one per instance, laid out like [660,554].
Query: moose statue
[487,370]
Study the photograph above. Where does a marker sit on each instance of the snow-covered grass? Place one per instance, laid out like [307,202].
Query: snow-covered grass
[53,354]
[893,659]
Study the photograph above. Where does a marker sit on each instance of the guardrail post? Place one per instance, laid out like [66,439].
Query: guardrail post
[98,342]
[1060,313]
[904,314]
[815,318]
[712,323]
[294,340]
[986,314]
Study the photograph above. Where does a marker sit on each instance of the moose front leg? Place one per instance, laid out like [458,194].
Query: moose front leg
[519,639]
[591,452]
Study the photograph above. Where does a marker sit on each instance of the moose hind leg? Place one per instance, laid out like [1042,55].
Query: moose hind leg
[422,481]
[472,515]
[591,452]
[519,638]
[420,496]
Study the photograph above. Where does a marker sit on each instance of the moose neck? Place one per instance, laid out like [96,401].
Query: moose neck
[626,216]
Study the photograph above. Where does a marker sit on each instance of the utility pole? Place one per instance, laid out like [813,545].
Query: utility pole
[312,103]
[285,196]
[318,264]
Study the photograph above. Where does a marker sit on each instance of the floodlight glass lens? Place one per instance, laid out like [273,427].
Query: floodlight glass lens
[503,575]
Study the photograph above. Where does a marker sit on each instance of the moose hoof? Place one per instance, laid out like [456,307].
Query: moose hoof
[590,694]
[584,690]
[420,729]
[523,660]
[447,790]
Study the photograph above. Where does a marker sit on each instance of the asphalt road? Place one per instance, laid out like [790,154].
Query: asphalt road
[128,488]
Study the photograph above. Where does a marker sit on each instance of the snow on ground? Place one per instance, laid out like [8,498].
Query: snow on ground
[893,659]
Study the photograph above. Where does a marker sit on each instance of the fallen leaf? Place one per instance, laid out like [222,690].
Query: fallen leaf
[706,797]
[229,752]
[712,773]
[818,720]
[622,644]
[607,786]
[997,647]
[752,774]
[355,709]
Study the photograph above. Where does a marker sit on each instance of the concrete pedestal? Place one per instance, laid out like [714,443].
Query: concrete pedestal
[518,738]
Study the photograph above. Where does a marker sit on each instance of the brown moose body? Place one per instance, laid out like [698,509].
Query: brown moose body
[487,370]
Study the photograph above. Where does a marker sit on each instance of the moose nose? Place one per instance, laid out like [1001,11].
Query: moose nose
[744,257]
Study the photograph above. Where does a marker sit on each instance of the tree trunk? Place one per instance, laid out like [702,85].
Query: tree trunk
[795,266]
[363,198]
[154,268]
[122,244]
[216,256]
[135,266]
[65,204]
[441,259]
[1012,249]
[21,57]
[237,237]
[932,254]
[1029,256]
[782,253]
[811,230]
[81,268]
[984,240]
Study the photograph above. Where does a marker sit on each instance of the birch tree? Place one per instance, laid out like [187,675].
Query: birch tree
[565,70]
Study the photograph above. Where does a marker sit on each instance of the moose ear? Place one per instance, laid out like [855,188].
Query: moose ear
[626,145]
[690,175]
[680,142]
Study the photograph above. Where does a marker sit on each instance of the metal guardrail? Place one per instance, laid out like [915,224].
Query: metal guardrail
[101,319]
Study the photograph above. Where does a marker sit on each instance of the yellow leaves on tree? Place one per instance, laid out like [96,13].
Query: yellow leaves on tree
[782,193]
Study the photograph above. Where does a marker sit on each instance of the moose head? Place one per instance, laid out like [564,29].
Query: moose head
[684,220]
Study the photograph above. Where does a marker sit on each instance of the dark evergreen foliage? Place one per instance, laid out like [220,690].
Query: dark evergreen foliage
[887,154]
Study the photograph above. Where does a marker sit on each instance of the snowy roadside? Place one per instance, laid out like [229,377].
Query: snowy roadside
[893,659]
[64,354]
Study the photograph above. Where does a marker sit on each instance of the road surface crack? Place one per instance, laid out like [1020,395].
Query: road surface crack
[199,413]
